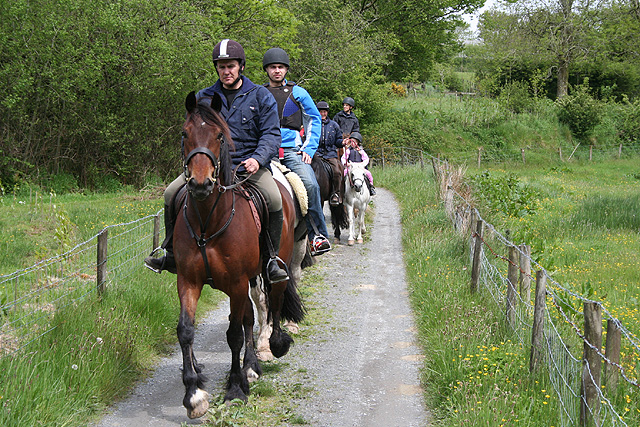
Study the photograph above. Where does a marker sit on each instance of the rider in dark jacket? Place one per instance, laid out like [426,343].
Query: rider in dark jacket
[328,145]
[346,118]
[252,115]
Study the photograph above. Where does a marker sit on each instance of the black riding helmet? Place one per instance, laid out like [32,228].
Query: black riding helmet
[275,55]
[322,105]
[229,49]
[349,101]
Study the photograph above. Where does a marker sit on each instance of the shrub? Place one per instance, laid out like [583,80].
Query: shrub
[515,97]
[580,111]
[629,121]
[505,194]
[399,90]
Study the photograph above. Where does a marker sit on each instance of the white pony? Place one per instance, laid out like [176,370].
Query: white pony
[356,198]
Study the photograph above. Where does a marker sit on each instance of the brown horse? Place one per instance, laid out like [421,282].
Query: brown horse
[216,241]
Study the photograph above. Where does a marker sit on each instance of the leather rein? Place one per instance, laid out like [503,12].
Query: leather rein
[202,240]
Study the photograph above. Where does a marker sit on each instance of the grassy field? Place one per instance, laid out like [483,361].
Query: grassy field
[476,373]
[92,350]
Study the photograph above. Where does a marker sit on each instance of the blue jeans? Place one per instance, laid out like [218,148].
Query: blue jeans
[293,161]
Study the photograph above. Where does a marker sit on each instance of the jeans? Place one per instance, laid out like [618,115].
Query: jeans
[293,161]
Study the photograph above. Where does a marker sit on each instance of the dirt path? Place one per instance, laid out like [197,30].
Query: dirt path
[361,360]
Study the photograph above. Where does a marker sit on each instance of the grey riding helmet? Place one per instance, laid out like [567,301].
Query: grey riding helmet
[322,105]
[275,55]
[356,136]
[349,101]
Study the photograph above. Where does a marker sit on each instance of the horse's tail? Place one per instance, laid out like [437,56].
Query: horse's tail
[292,307]
[339,216]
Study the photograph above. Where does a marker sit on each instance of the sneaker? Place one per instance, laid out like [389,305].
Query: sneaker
[320,245]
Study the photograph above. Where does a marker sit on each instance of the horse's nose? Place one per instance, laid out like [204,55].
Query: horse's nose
[357,187]
[200,191]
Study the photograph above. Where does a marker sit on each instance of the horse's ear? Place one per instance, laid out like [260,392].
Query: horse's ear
[216,102]
[190,102]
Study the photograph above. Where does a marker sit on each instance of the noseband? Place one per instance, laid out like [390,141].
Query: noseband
[209,154]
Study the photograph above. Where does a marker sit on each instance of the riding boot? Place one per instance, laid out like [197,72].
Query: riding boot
[166,262]
[372,189]
[275,273]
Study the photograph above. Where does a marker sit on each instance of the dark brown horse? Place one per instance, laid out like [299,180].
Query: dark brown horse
[216,242]
[323,173]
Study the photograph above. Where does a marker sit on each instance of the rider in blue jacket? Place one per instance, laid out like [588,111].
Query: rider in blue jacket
[297,111]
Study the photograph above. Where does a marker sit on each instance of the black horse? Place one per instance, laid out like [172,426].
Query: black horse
[322,170]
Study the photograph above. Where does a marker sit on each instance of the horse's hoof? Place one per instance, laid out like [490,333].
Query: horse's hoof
[252,376]
[360,240]
[292,327]
[264,355]
[199,403]
[351,242]
[336,241]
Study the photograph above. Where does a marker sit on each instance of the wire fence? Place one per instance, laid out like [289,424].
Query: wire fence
[35,294]
[576,377]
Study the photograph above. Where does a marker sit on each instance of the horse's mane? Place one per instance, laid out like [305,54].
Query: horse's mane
[213,118]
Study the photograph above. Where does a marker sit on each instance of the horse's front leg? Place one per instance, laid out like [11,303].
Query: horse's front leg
[250,364]
[238,385]
[196,399]
[259,297]
[351,218]
[360,224]
[280,341]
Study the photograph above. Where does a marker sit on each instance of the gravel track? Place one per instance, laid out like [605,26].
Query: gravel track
[362,360]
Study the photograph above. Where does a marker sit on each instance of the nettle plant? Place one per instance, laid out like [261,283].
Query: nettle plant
[505,194]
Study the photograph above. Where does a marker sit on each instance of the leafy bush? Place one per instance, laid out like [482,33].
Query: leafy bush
[515,97]
[629,121]
[505,194]
[580,111]
[63,183]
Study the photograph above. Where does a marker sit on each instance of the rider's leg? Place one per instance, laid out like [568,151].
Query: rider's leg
[269,189]
[337,187]
[293,161]
[167,262]
[372,189]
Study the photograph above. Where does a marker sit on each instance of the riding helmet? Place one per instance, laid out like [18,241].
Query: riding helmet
[322,105]
[350,101]
[229,49]
[275,55]
[356,136]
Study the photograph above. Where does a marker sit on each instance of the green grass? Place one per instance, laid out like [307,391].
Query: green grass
[94,349]
[476,372]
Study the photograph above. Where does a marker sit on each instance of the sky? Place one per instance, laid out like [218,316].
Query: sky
[472,20]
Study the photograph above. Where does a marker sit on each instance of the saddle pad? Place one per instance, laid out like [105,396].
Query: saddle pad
[295,183]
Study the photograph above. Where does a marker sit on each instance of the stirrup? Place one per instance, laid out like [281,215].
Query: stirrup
[277,280]
[154,255]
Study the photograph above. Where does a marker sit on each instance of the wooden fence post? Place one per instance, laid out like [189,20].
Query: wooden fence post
[612,352]
[479,156]
[101,264]
[402,156]
[523,156]
[537,332]
[619,150]
[591,152]
[477,249]
[525,273]
[382,155]
[512,279]
[421,159]
[560,152]
[156,232]
[591,365]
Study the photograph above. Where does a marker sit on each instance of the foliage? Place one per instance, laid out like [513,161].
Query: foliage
[579,111]
[398,89]
[515,97]
[629,121]
[506,194]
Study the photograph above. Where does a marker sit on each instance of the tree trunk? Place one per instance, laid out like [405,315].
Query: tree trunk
[563,78]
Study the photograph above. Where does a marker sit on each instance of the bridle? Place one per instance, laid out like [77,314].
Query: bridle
[202,240]
[352,181]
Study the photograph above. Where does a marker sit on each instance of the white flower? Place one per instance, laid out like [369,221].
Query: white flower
[74,367]
[99,340]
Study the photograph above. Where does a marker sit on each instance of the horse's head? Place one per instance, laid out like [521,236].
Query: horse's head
[356,176]
[205,137]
